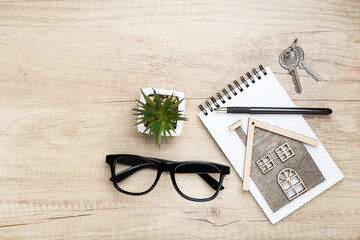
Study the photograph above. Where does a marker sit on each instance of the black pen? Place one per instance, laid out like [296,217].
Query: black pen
[274,110]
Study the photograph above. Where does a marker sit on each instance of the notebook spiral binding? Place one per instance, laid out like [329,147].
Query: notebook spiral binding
[232,89]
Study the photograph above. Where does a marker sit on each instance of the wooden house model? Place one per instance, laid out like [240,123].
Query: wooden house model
[278,162]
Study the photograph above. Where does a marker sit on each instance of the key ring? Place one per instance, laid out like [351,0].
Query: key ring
[291,49]
[294,44]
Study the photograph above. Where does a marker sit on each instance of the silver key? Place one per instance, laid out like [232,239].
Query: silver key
[290,60]
[304,65]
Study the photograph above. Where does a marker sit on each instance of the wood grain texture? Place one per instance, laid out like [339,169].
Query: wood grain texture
[69,75]
[248,154]
[284,132]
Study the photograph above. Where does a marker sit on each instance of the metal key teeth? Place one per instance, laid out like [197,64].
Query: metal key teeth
[310,71]
[297,84]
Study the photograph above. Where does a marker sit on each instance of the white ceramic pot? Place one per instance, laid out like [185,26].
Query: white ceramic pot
[180,95]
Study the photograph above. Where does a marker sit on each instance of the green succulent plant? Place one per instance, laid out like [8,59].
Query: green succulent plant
[159,115]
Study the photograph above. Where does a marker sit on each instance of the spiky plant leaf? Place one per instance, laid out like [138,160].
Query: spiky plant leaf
[158,117]
[148,100]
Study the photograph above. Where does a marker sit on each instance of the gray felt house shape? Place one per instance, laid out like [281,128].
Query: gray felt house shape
[280,165]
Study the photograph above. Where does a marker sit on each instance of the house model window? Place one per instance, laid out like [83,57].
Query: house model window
[284,152]
[265,163]
[291,183]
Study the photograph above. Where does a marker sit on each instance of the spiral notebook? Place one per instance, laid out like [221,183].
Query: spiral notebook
[262,89]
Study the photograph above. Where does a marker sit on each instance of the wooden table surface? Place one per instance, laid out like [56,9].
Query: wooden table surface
[69,75]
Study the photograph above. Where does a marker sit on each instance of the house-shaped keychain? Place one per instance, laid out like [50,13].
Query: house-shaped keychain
[278,162]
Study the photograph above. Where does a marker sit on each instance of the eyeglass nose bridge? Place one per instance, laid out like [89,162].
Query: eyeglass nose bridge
[166,165]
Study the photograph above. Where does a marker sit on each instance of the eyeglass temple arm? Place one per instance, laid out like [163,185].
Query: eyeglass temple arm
[211,181]
[128,172]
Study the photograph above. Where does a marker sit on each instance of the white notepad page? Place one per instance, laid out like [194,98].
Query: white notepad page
[267,92]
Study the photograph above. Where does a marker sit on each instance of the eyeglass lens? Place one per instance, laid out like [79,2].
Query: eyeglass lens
[190,180]
[135,175]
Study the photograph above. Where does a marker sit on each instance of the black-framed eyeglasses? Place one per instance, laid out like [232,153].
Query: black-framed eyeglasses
[194,180]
